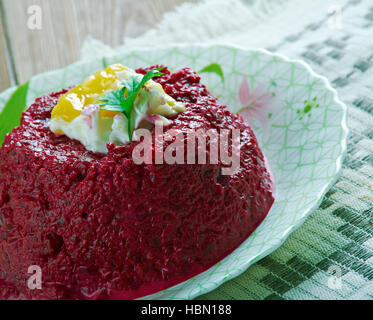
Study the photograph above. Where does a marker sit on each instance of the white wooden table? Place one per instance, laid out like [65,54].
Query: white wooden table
[25,51]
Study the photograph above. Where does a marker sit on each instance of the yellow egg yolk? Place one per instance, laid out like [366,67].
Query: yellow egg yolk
[72,103]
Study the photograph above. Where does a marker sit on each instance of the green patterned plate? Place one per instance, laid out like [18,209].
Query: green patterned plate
[296,115]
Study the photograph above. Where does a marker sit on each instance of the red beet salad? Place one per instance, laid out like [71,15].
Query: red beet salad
[101,226]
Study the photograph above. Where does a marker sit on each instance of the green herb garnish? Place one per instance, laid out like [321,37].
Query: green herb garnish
[123,99]
[214,68]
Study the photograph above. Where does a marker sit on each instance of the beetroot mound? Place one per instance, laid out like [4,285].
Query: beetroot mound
[102,227]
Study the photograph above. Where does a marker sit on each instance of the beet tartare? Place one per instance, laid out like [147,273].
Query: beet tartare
[102,227]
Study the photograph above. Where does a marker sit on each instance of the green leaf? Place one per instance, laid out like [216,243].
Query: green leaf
[10,117]
[214,68]
[104,62]
[113,100]
[117,101]
[307,108]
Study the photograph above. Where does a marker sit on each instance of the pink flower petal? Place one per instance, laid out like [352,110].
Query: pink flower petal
[257,104]
[244,92]
[265,101]
[259,91]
